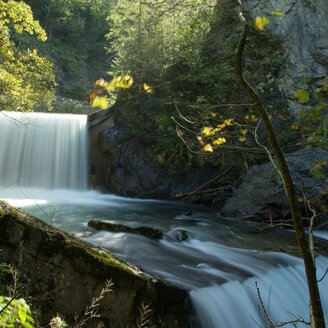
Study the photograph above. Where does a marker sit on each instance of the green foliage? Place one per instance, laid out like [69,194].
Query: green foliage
[313,122]
[26,79]
[15,313]
[318,168]
[76,43]
[185,52]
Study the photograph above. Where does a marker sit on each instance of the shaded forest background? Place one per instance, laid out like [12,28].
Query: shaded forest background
[183,49]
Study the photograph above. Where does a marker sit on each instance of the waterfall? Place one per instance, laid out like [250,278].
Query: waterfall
[43,150]
[236,303]
[48,152]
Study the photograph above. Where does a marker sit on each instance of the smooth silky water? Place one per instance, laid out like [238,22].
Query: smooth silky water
[220,261]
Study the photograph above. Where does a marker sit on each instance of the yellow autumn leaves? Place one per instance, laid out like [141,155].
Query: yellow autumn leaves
[211,132]
[103,101]
[260,23]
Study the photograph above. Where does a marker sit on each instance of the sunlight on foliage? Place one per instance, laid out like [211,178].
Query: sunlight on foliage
[303,96]
[146,88]
[27,80]
[277,14]
[219,141]
[207,148]
[101,102]
[118,82]
[16,313]
[260,23]
[208,131]
[110,87]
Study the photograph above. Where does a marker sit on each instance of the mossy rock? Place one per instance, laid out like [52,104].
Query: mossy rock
[144,231]
[65,273]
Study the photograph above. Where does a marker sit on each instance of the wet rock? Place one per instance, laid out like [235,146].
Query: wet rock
[66,273]
[124,165]
[181,235]
[145,231]
[261,195]
[187,218]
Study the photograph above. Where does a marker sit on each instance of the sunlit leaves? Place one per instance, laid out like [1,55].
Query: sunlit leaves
[19,15]
[277,14]
[110,87]
[303,96]
[207,148]
[16,314]
[146,88]
[208,131]
[219,141]
[228,122]
[260,23]
[120,82]
[27,80]
[101,102]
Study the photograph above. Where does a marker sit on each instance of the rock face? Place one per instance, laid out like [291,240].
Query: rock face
[304,29]
[64,275]
[261,195]
[123,166]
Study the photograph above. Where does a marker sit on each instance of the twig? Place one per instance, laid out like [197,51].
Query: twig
[324,275]
[184,118]
[206,184]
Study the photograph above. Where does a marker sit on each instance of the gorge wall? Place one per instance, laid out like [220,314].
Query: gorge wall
[303,29]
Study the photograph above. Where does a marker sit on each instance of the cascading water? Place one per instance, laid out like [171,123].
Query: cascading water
[43,150]
[219,262]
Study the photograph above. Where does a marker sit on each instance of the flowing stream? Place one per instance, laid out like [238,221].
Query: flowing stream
[217,259]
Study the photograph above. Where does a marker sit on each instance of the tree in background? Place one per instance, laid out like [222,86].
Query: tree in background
[26,79]
[76,43]
[185,51]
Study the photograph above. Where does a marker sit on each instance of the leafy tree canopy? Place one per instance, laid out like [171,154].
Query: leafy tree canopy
[26,79]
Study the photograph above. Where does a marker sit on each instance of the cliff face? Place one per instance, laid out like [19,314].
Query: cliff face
[304,30]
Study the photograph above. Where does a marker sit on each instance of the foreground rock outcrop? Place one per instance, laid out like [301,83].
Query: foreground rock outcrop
[63,274]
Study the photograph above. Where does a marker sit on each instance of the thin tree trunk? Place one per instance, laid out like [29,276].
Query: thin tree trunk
[316,312]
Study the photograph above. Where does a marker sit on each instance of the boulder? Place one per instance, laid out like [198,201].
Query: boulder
[261,194]
[63,274]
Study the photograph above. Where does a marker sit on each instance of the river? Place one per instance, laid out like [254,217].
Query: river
[219,260]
